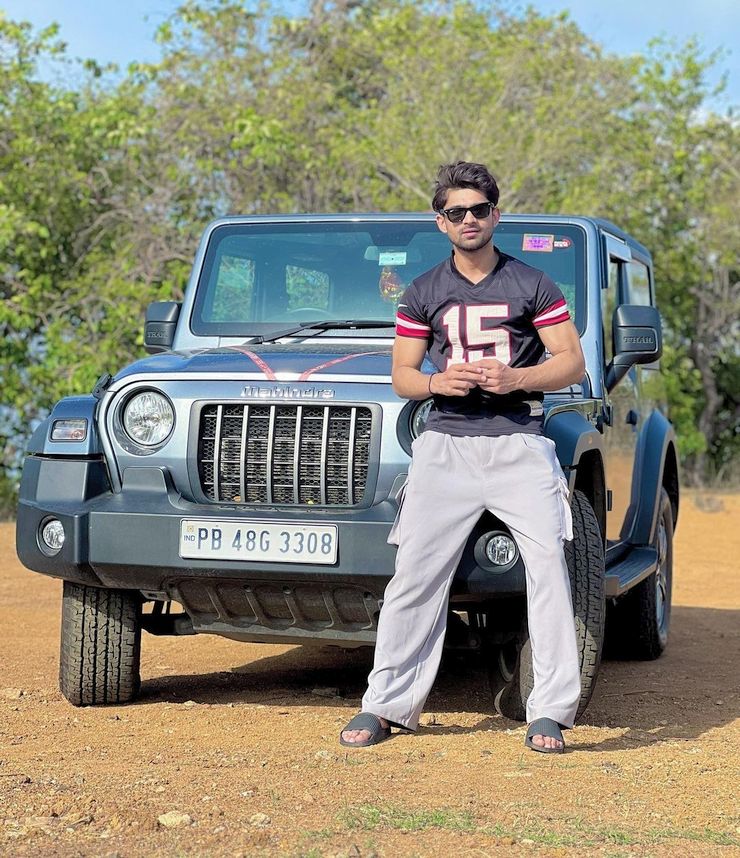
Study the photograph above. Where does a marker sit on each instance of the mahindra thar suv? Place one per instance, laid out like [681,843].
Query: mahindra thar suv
[242,480]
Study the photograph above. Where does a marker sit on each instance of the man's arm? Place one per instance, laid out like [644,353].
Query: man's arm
[566,366]
[411,383]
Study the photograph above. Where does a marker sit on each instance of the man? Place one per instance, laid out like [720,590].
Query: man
[485,319]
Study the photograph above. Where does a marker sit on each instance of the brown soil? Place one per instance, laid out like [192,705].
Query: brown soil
[243,739]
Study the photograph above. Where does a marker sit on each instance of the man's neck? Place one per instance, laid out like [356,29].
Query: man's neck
[477,264]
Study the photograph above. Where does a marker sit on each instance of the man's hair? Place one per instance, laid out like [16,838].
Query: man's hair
[463,174]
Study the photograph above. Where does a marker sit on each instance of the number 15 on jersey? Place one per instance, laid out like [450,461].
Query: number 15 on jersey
[464,324]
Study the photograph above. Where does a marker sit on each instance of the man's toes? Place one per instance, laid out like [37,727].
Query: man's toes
[546,741]
[355,735]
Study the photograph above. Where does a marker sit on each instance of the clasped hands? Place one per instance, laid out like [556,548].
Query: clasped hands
[487,373]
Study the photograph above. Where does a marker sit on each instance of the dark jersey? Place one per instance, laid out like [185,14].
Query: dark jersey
[463,322]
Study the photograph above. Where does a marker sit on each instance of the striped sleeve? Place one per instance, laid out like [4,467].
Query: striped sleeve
[550,305]
[408,327]
[410,317]
[552,315]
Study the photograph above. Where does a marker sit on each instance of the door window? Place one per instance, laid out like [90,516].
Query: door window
[610,297]
[639,286]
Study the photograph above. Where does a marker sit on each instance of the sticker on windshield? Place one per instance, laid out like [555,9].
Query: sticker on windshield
[538,243]
[392,258]
[562,243]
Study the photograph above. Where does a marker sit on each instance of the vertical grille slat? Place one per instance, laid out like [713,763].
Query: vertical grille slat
[324,451]
[242,457]
[270,454]
[284,453]
[217,454]
[297,453]
[351,454]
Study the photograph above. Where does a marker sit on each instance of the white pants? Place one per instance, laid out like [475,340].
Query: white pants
[451,482]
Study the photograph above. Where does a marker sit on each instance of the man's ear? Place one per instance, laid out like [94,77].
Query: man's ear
[441,223]
[496,216]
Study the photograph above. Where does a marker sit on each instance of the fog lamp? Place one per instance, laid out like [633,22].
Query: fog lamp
[500,549]
[52,534]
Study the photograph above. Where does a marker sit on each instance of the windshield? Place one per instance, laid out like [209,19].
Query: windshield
[264,277]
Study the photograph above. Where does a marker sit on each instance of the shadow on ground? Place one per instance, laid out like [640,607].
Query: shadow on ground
[692,688]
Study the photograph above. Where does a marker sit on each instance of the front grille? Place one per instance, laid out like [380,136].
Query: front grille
[284,454]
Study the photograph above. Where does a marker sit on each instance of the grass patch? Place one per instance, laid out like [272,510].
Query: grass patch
[320,834]
[621,838]
[540,836]
[370,817]
[708,835]
[572,832]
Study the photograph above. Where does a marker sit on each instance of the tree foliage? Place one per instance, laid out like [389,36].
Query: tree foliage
[350,106]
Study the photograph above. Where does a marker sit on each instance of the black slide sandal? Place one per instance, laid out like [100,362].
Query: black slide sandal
[544,727]
[366,721]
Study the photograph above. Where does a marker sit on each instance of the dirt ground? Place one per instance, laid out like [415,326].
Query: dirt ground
[238,743]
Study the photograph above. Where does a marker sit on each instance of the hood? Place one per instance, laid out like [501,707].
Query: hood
[274,361]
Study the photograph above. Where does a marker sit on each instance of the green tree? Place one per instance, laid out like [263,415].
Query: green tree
[350,105]
[71,269]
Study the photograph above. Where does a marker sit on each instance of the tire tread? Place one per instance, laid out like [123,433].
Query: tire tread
[100,648]
[632,630]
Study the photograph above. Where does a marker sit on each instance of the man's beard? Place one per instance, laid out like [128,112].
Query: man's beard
[473,243]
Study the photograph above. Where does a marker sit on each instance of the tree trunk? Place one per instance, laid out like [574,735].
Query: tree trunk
[711,321]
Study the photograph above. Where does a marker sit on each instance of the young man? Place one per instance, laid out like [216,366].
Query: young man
[485,319]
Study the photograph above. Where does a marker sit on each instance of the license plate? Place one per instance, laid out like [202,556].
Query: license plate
[258,540]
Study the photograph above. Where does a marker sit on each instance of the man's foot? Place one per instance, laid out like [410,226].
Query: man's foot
[365,729]
[541,741]
[544,735]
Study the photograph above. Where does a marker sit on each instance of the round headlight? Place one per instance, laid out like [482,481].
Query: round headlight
[419,417]
[148,418]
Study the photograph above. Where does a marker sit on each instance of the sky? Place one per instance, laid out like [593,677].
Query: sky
[121,32]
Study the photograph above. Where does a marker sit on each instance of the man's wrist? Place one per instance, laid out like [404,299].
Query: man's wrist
[429,383]
[521,379]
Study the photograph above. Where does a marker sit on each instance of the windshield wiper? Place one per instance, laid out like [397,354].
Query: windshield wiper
[325,325]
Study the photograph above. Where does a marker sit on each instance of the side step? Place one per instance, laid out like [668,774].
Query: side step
[630,570]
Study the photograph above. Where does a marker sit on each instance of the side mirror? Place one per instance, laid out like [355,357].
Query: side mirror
[159,328]
[637,338]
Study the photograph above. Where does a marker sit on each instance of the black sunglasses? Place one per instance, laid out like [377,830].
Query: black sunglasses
[457,213]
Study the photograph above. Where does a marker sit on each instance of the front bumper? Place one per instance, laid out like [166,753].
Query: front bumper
[129,540]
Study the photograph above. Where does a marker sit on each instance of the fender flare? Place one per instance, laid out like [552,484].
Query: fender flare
[38,439]
[657,443]
[578,441]
[574,436]
[68,408]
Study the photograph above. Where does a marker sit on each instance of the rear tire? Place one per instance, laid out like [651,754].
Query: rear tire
[637,625]
[510,665]
[100,645]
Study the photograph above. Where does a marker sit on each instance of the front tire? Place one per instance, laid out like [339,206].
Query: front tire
[638,624]
[511,673]
[100,645]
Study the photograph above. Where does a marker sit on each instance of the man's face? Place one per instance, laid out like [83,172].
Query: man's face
[471,233]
